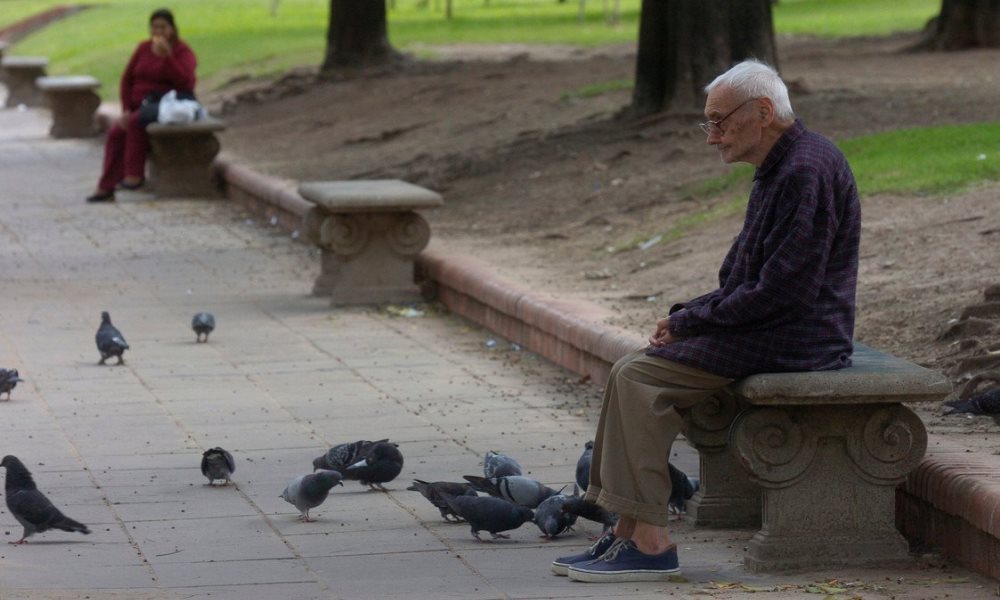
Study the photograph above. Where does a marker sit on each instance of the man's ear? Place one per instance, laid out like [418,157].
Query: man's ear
[765,111]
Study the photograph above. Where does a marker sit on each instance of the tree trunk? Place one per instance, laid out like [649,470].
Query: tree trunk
[964,24]
[357,34]
[684,44]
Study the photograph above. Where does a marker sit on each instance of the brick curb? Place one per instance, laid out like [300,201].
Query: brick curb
[951,501]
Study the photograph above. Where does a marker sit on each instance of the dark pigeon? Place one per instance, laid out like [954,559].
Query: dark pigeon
[551,518]
[203,324]
[341,456]
[682,488]
[110,341]
[309,491]
[583,466]
[496,464]
[216,464]
[590,511]
[381,464]
[29,506]
[8,381]
[985,403]
[436,491]
[518,489]
[490,514]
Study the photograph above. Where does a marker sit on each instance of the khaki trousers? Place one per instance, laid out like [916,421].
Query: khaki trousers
[639,423]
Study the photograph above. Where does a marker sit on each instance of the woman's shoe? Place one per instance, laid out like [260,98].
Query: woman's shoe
[132,186]
[108,196]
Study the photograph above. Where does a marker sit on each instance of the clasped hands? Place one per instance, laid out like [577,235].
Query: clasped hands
[661,337]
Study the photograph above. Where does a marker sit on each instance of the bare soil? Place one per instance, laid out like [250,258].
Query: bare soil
[540,181]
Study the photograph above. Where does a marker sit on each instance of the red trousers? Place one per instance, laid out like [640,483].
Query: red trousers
[125,152]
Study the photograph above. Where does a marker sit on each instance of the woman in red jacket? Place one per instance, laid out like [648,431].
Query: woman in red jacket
[161,64]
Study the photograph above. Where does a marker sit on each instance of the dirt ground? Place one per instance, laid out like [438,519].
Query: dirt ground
[547,185]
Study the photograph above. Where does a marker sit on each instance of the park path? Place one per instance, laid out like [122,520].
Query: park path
[283,377]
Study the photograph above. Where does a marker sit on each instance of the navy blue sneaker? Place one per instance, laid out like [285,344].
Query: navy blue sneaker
[624,563]
[561,565]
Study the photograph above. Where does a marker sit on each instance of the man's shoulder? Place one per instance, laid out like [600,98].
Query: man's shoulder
[815,150]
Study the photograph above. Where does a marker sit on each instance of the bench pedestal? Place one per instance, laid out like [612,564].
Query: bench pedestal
[369,235]
[180,158]
[19,75]
[73,102]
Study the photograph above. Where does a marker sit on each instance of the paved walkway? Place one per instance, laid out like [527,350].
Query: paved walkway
[283,377]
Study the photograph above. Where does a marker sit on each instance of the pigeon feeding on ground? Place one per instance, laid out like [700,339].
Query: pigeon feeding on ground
[381,464]
[309,491]
[518,489]
[490,514]
[110,341]
[436,491]
[583,466]
[496,464]
[8,381]
[550,516]
[203,324]
[341,456]
[29,506]
[217,463]
[590,511]
[986,403]
[682,488]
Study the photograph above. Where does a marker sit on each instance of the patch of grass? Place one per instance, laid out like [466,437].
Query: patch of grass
[597,89]
[845,18]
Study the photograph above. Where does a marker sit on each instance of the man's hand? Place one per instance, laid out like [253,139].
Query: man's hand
[160,47]
[661,337]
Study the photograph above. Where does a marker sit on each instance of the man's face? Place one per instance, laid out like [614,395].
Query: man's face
[735,132]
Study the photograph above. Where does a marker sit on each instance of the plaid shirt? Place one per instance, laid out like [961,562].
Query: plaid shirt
[786,288]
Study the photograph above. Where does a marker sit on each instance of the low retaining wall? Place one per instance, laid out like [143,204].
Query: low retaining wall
[25,27]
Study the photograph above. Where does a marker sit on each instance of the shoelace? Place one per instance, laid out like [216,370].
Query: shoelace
[615,549]
[593,549]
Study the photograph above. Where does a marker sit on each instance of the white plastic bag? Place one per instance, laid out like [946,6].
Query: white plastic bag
[173,110]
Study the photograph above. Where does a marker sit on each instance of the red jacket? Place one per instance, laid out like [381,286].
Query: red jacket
[147,72]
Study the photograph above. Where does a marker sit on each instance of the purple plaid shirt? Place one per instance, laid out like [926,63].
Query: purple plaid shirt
[785,300]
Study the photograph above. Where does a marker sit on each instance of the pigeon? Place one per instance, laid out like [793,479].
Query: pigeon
[550,516]
[516,488]
[436,491]
[341,456]
[217,463]
[590,511]
[110,341]
[499,465]
[8,381]
[381,464]
[583,466]
[29,506]
[682,488]
[986,403]
[309,491]
[203,324]
[487,513]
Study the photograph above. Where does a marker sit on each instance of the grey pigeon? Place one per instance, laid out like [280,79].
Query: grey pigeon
[203,324]
[380,464]
[496,464]
[682,488]
[487,513]
[985,403]
[217,463]
[436,491]
[110,341]
[518,489]
[29,506]
[590,511]
[551,518]
[309,491]
[8,381]
[583,466]
[341,456]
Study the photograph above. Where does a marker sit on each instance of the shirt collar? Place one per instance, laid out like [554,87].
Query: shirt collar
[780,147]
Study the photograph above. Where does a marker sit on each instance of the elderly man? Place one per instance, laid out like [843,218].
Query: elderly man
[785,302]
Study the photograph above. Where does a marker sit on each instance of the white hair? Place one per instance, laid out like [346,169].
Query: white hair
[755,79]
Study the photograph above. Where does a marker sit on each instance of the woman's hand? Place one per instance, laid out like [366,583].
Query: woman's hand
[161,47]
[123,120]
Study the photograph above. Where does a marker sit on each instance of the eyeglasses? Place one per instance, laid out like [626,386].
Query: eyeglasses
[710,127]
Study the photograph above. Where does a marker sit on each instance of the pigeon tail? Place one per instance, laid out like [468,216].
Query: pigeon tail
[68,524]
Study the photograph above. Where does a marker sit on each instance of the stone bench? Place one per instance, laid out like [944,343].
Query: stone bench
[19,75]
[813,460]
[73,101]
[180,158]
[369,233]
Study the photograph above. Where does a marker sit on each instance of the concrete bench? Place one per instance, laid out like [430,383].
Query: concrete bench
[180,158]
[369,235]
[19,75]
[73,101]
[813,459]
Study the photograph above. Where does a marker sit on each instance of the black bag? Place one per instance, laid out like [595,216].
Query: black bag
[149,110]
